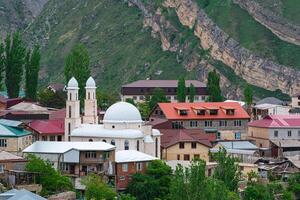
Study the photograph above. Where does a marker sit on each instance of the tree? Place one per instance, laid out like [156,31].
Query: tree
[96,189]
[227,169]
[127,197]
[181,90]
[248,95]
[158,96]
[105,99]
[130,100]
[144,109]
[77,64]
[257,191]
[192,93]
[51,180]
[32,67]
[213,85]
[2,66]
[51,99]
[14,58]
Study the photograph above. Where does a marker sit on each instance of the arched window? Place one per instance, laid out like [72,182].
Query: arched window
[69,128]
[70,97]
[90,140]
[113,142]
[113,126]
[70,111]
[137,145]
[89,95]
[103,140]
[126,145]
[156,147]
[76,96]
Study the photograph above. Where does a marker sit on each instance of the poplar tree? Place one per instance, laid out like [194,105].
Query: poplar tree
[192,93]
[213,85]
[158,96]
[248,95]
[1,62]
[77,64]
[32,67]
[14,62]
[181,90]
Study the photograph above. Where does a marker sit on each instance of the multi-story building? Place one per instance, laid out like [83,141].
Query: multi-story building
[228,120]
[281,131]
[296,100]
[139,90]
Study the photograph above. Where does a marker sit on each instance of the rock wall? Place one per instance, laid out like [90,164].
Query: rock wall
[278,25]
[254,69]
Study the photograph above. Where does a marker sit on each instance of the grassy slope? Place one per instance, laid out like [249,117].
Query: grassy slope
[120,49]
[291,10]
[252,35]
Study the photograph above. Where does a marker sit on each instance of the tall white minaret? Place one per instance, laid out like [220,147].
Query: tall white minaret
[90,103]
[72,119]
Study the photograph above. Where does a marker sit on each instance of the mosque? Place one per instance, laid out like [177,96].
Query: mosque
[122,123]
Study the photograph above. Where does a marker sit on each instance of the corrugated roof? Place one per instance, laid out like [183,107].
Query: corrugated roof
[48,126]
[270,100]
[277,121]
[132,156]
[242,145]
[11,123]
[171,113]
[9,156]
[163,83]
[7,131]
[27,106]
[286,143]
[20,195]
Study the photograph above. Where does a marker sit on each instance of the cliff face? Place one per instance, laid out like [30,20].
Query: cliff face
[254,69]
[278,25]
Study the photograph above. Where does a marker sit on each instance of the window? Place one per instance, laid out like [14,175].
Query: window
[122,178]
[89,95]
[59,138]
[230,112]
[218,135]
[90,154]
[177,125]
[298,133]
[69,128]
[44,138]
[275,133]
[237,123]
[3,143]
[52,138]
[237,135]
[76,97]
[213,112]
[134,97]
[113,142]
[139,167]
[70,111]
[289,133]
[90,140]
[103,140]
[183,112]
[178,156]
[186,157]
[223,123]
[193,123]
[156,147]
[137,145]
[126,145]
[196,98]
[125,167]
[208,123]
[1,168]
[113,126]
[142,97]
[194,145]
[200,112]
[181,145]
[196,156]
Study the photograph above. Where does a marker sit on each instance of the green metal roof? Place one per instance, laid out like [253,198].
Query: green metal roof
[7,131]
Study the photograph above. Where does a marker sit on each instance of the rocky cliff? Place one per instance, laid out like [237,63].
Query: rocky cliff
[278,25]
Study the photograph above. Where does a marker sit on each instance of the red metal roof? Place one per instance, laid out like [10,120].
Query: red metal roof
[171,113]
[277,121]
[48,126]
[58,114]
[173,136]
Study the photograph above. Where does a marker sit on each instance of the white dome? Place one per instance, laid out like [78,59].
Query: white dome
[72,84]
[122,112]
[90,83]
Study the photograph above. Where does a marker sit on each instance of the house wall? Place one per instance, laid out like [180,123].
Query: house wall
[172,98]
[296,102]
[172,152]
[260,136]
[16,145]
[283,133]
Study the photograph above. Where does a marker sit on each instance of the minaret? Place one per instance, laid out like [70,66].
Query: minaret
[90,103]
[72,119]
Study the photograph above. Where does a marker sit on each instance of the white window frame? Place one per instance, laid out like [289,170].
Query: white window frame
[124,167]
[2,167]
[139,167]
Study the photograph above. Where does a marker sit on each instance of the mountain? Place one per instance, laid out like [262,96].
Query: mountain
[162,39]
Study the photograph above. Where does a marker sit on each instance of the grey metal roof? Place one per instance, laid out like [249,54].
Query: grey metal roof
[163,83]
[238,145]
[270,100]
[20,195]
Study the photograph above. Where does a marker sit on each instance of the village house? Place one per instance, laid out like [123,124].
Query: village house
[57,87]
[9,161]
[228,120]
[122,125]
[185,144]
[139,90]
[128,163]
[6,103]
[47,130]
[277,134]
[13,136]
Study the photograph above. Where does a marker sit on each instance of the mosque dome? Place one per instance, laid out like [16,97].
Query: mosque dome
[122,112]
[72,84]
[90,83]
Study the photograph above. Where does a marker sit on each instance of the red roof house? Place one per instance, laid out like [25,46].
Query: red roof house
[47,130]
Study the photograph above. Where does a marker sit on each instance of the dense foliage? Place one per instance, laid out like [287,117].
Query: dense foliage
[192,93]
[51,99]
[248,95]
[213,86]
[181,90]
[158,96]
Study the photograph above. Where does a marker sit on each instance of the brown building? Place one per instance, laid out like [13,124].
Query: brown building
[9,161]
[128,163]
[139,90]
[6,103]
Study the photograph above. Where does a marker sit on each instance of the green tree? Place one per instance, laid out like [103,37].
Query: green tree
[181,90]
[130,100]
[192,93]
[227,169]
[257,191]
[77,64]
[32,67]
[14,58]
[213,85]
[127,197]
[96,189]
[51,99]
[294,185]
[248,95]
[51,180]
[2,63]
[158,96]
[144,109]
[105,99]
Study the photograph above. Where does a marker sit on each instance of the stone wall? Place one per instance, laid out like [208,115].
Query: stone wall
[278,25]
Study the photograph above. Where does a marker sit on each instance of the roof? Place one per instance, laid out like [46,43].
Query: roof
[48,126]
[163,83]
[72,84]
[122,112]
[242,103]
[20,195]
[28,106]
[62,147]
[90,83]
[97,130]
[11,123]
[270,100]
[171,113]
[238,145]
[9,131]
[286,143]
[125,156]
[57,86]
[265,106]
[9,156]
[295,160]
[171,137]
[277,121]
[58,114]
